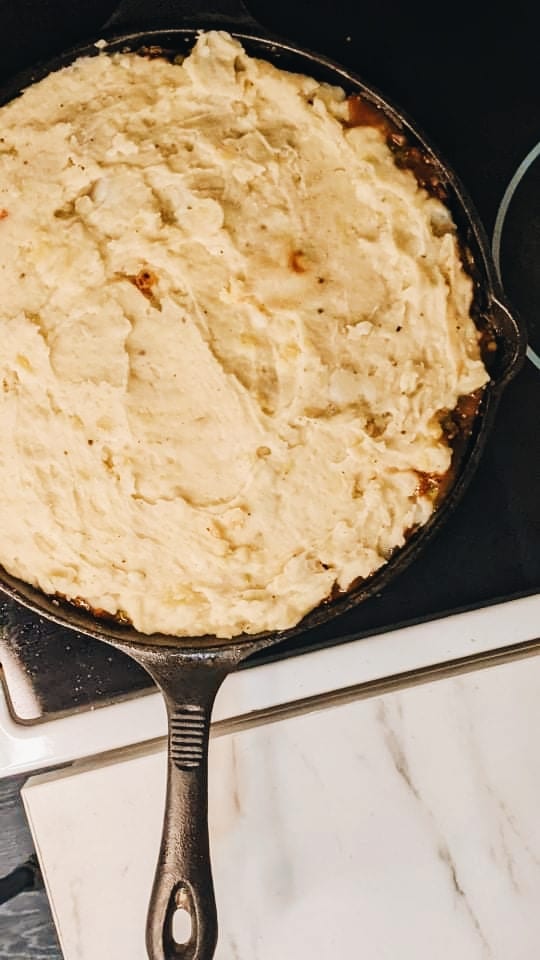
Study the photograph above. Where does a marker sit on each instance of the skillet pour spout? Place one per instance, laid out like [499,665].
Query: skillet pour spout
[189,672]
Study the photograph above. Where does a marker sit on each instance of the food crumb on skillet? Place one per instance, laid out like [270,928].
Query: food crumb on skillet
[234,297]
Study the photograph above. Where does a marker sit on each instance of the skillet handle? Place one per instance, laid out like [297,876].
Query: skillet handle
[183,883]
[179,13]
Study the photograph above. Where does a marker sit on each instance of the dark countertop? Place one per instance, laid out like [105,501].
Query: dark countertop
[26,924]
[458,92]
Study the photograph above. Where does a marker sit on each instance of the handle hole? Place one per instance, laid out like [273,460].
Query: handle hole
[181,926]
[180,929]
[181,923]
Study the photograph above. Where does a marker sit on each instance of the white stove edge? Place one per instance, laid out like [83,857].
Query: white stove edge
[24,749]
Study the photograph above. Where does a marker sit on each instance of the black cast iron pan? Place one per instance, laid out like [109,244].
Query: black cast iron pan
[188,671]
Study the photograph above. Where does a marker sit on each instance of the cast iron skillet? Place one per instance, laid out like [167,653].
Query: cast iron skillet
[189,671]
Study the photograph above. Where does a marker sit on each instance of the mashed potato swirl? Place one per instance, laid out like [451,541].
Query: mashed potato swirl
[229,325]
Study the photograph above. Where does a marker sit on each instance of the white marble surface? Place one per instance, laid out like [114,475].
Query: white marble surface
[404,827]
[24,749]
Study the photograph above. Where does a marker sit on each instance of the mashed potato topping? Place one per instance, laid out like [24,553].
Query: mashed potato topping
[229,327]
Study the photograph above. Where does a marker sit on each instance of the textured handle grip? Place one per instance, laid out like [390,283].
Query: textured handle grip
[188,736]
[183,880]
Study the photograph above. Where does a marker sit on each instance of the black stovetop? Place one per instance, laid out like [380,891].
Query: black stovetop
[473,86]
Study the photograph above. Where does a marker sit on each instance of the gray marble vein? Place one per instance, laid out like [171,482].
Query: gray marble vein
[446,857]
[397,752]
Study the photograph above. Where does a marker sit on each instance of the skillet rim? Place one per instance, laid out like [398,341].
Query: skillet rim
[493,307]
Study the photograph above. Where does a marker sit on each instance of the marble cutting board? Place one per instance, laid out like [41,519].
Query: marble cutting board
[399,828]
